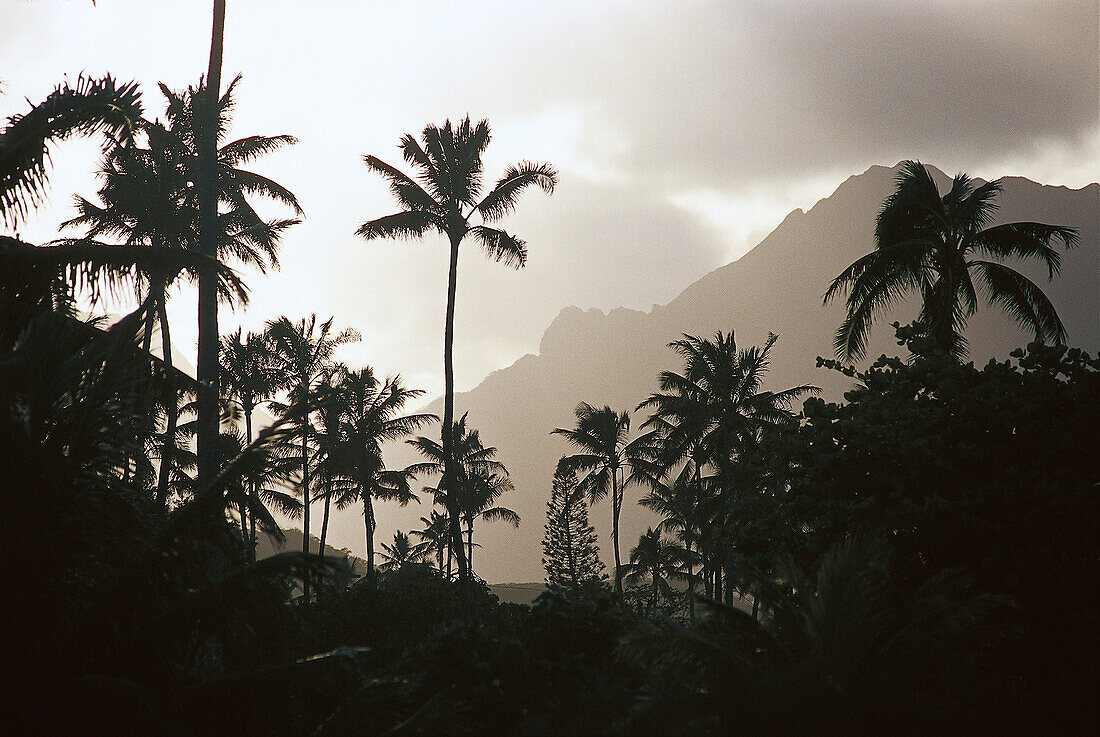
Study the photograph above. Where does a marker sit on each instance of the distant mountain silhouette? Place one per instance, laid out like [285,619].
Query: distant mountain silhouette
[614,358]
[266,546]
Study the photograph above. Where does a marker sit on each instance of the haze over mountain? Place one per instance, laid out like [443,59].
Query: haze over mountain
[613,358]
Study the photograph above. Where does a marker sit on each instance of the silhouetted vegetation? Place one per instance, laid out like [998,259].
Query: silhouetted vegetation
[914,559]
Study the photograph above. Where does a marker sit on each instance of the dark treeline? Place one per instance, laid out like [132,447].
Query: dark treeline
[916,558]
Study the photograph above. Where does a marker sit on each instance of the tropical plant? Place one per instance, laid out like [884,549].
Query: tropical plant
[477,482]
[934,246]
[570,554]
[402,553]
[303,355]
[434,536]
[601,434]
[658,560]
[442,196]
[354,471]
[707,417]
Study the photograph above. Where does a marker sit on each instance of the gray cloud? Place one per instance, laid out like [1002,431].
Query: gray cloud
[720,92]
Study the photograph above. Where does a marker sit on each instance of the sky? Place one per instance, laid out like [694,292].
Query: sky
[684,131]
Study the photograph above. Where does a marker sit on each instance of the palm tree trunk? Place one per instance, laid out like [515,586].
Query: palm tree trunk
[449,413]
[324,523]
[691,581]
[616,505]
[168,446]
[251,493]
[207,369]
[470,545]
[368,524]
[305,508]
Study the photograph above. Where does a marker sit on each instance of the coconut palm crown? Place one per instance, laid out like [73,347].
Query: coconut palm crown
[939,247]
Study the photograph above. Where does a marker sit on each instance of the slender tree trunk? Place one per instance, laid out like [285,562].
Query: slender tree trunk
[305,506]
[449,414]
[368,524]
[168,445]
[324,523]
[207,369]
[728,567]
[252,497]
[718,582]
[755,608]
[616,505]
[691,581]
[470,545]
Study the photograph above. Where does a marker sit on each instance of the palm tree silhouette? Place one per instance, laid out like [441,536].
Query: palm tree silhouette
[401,553]
[682,506]
[602,436]
[705,417]
[442,196]
[477,481]
[658,560]
[927,243]
[303,353]
[368,418]
[434,536]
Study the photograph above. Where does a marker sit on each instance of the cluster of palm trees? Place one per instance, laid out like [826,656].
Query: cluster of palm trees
[703,424]
[334,451]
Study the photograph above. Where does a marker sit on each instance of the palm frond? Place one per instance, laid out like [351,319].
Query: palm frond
[89,107]
[1022,300]
[502,199]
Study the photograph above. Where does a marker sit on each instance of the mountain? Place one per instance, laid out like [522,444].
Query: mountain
[614,358]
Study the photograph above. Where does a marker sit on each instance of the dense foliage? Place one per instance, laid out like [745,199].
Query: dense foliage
[915,559]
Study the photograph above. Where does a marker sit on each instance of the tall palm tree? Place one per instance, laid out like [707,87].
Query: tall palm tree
[477,479]
[368,418]
[442,196]
[601,434]
[303,353]
[657,559]
[934,246]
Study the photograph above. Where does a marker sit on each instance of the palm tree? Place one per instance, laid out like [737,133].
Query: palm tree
[356,471]
[247,380]
[401,553]
[658,560]
[708,415]
[477,503]
[478,479]
[602,436]
[682,507]
[442,196]
[927,244]
[31,276]
[434,536]
[303,353]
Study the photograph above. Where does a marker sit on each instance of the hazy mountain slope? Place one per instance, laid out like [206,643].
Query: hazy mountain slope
[614,358]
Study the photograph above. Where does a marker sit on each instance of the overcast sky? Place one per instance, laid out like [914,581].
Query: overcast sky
[683,133]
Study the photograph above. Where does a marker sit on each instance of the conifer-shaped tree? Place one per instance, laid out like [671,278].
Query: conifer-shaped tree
[570,554]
